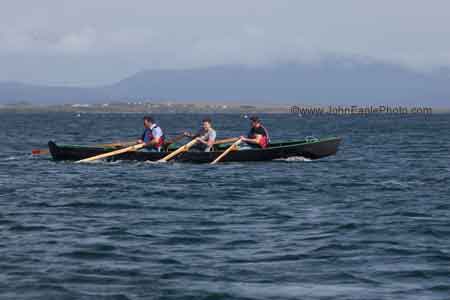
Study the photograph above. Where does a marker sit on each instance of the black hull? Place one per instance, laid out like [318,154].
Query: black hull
[308,149]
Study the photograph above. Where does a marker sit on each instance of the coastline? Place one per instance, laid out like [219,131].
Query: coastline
[141,107]
[146,107]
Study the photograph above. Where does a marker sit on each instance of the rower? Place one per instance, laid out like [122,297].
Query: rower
[152,136]
[206,136]
[258,137]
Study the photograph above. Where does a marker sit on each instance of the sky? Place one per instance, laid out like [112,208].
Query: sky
[99,42]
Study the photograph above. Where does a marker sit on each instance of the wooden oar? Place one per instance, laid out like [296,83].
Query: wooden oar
[183,148]
[116,144]
[232,147]
[109,154]
[46,151]
[225,141]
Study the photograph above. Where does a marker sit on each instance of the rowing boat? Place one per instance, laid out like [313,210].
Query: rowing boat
[307,148]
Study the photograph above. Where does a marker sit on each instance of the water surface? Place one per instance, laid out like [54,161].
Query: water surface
[369,223]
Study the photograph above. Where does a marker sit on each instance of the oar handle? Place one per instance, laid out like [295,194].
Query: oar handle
[233,146]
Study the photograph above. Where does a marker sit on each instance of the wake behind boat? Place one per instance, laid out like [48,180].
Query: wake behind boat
[307,148]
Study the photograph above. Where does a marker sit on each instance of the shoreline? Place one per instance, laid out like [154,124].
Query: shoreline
[146,108]
[194,108]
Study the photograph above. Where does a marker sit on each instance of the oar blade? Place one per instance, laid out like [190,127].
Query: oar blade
[39,151]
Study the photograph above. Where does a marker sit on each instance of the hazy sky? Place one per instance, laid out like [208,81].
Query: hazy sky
[101,41]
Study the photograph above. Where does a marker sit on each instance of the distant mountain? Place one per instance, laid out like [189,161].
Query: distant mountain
[333,82]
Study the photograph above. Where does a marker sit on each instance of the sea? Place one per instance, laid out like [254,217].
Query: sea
[371,222]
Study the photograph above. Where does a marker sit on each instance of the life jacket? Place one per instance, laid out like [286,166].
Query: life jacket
[263,142]
[147,136]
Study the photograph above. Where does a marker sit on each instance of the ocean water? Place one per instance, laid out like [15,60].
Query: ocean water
[372,222]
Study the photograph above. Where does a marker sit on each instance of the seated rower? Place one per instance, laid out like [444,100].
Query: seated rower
[258,135]
[152,136]
[206,136]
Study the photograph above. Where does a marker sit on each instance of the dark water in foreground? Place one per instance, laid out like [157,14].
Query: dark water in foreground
[372,222]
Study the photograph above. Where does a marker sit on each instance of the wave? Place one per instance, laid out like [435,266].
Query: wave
[18,157]
[294,159]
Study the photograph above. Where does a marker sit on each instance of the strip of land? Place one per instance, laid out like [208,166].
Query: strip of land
[172,107]
[136,107]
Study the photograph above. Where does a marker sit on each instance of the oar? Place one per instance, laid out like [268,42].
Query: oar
[116,144]
[46,151]
[183,148]
[217,142]
[120,151]
[225,141]
[232,147]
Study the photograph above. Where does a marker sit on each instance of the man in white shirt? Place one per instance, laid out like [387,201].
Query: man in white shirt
[206,136]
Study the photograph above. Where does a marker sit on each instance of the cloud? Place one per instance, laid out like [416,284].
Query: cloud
[37,42]
[81,41]
[198,33]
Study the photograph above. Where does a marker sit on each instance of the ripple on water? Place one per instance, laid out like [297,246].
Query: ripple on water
[369,223]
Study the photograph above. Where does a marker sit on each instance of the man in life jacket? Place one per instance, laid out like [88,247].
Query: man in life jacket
[206,136]
[258,135]
[152,136]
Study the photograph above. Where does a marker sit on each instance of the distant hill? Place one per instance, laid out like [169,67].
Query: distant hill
[344,82]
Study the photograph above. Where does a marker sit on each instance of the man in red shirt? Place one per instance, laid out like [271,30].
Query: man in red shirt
[258,135]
